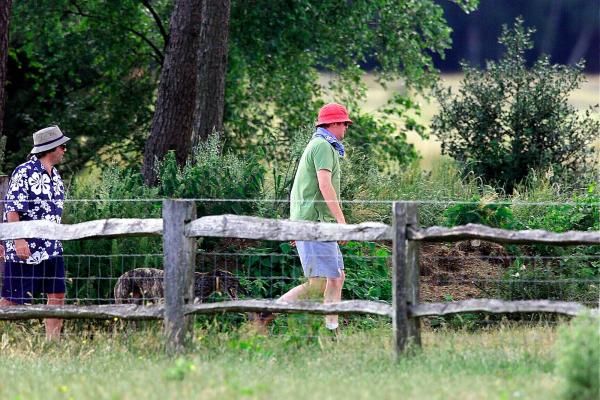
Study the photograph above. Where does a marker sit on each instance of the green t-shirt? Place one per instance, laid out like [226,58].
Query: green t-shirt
[306,201]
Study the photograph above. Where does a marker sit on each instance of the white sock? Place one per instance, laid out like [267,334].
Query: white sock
[331,325]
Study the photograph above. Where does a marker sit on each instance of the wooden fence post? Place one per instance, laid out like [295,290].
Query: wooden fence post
[405,277]
[4,180]
[179,264]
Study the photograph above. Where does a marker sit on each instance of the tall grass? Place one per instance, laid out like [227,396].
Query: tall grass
[507,362]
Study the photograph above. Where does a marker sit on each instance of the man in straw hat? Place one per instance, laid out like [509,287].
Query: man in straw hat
[36,192]
[315,197]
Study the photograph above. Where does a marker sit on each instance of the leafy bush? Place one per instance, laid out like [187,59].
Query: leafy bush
[383,141]
[508,119]
[211,174]
[556,272]
[578,351]
[368,271]
[272,260]
[480,211]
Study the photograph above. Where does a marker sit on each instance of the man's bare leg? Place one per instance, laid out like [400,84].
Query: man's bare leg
[333,294]
[54,325]
[313,288]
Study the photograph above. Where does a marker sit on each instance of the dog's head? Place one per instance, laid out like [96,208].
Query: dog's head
[217,281]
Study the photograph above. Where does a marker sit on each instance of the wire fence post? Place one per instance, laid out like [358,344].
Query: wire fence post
[179,264]
[405,277]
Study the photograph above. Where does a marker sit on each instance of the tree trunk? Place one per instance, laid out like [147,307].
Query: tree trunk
[5,7]
[173,118]
[212,69]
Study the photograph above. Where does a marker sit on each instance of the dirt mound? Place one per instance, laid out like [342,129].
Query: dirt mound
[460,270]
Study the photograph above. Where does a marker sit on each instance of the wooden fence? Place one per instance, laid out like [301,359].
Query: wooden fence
[179,228]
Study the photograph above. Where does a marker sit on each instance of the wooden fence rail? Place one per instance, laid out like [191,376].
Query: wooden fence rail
[482,232]
[154,312]
[244,227]
[179,227]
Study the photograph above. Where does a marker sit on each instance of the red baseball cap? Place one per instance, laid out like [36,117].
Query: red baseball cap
[331,113]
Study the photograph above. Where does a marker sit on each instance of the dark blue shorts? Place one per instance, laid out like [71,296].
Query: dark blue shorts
[24,282]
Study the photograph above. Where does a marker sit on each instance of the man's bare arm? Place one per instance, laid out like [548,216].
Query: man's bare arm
[21,246]
[329,195]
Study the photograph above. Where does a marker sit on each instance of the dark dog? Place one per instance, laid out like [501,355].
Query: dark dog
[142,285]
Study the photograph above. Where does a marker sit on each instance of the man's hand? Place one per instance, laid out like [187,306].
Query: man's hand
[21,246]
[2,253]
[22,249]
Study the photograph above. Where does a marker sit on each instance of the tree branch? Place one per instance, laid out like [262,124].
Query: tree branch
[158,54]
[158,21]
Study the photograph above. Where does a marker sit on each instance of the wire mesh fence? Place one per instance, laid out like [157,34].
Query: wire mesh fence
[229,268]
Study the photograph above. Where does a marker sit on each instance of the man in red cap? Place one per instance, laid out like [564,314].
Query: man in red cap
[315,197]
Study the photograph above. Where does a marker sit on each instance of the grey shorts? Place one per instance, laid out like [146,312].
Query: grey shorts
[320,259]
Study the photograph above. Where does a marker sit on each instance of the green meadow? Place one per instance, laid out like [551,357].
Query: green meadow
[503,362]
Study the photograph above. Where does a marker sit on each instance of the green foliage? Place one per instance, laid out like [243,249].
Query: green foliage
[556,272]
[94,265]
[303,37]
[273,259]
[179,370]
[509,119]
[89,66]
[578,351]
[366,266]
[480,211]
[279,180]
[92,66]
[212,174]
[382,141]
[463,321]
[368,273]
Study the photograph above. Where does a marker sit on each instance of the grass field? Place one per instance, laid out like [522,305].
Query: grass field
[499,363]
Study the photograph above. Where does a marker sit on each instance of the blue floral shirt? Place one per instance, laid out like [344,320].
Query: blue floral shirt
[35,195]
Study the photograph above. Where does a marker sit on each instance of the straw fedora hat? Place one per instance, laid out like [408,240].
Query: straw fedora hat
[47,139]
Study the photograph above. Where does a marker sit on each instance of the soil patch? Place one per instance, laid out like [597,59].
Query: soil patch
[461,270]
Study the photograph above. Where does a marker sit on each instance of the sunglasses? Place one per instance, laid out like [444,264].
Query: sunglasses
[63,146]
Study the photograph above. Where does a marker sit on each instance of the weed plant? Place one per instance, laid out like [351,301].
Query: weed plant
[578,351]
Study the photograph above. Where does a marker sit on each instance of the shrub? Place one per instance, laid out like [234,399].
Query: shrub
[509,119]
[368,271]
[578,363]
[480,211]
[556,272]
[211,174]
